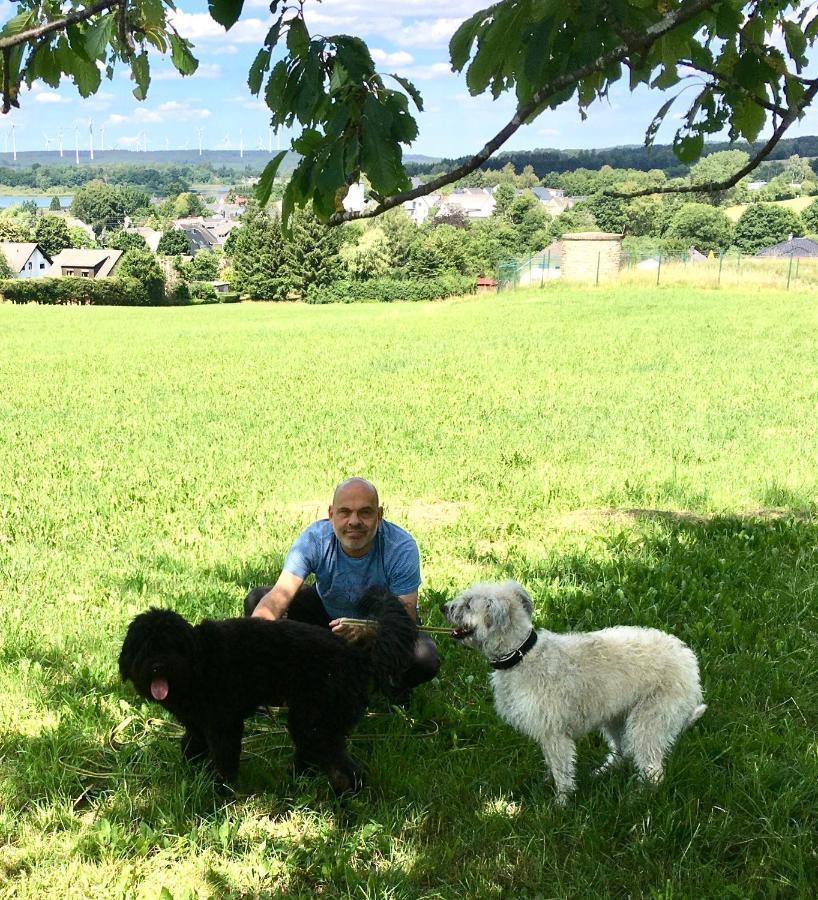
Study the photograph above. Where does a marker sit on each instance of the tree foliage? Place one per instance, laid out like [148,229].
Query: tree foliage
[764,224]
[173,243]
[744,58]
[51,233]
[702,226]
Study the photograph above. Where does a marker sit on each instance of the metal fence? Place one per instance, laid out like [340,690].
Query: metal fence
[729,269]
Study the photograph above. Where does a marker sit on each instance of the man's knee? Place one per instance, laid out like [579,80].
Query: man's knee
[253,597]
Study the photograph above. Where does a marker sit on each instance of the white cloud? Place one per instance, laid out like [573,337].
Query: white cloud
[200,27]
[435,33]
[205,70]
[116,119]
[50,97]
[399,58]
[427,72]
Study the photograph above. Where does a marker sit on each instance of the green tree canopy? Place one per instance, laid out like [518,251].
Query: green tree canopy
[144,266]
[259,269]
[764,224]
[173,243]
[55,205]
[52,234]
[702,226]
[747,57]
[124,240]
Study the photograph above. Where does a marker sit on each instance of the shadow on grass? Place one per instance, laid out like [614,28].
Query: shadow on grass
[465,811]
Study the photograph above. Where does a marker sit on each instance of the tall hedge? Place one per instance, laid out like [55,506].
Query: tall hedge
[63,291]
[389,290]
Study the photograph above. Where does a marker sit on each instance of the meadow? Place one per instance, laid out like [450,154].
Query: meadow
[631,455]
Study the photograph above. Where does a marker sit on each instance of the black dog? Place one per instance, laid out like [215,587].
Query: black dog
[212,676]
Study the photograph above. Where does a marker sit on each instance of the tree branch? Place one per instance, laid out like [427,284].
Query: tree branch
[645,40]
[733,180]
[733,83]
[78,15]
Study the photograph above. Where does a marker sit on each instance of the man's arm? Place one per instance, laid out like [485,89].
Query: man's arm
[410,601]
[274,603]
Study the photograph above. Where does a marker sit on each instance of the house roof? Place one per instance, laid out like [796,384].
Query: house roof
[18,253]
[793,247]
[200,237]
[101,261]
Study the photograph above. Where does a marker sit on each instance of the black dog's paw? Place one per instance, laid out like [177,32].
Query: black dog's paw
[345,778]
[194,747]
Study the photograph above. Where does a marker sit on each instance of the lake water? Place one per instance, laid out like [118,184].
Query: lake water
[42,200]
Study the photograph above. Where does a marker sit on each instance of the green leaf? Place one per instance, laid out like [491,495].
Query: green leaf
[748,118]
[225,12]
[43,64]
[185,62]
[355,57]
[330,178]
[657,120]
[260,65]
[265,183]
[298,38]
[98,35]
[463,38]
[380,152]
[795,40]
[140,71]
[410,89]
[688,148]
[18,23]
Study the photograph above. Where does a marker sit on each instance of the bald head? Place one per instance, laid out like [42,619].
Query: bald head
[357,485]
[355,514]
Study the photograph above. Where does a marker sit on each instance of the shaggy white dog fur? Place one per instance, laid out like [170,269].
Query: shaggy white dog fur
[638,686]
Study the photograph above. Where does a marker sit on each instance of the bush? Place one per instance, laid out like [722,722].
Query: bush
[388,290]
[203,292]
[116,291]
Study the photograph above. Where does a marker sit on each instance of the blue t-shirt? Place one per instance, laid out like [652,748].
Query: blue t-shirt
[393,561]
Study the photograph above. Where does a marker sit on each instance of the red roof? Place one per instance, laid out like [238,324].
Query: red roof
[486,281]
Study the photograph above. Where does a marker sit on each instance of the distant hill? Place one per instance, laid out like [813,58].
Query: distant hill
[251,160]
[635,156]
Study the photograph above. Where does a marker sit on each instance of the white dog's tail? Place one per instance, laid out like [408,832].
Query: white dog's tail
[697,713]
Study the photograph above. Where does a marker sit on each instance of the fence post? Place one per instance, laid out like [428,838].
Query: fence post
[659,269]
[721,263]
[797,264]
[598,257]
[789,272]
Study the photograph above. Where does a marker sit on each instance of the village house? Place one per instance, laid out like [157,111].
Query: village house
[474,203]
[421,208]
[25,259]
[73,263]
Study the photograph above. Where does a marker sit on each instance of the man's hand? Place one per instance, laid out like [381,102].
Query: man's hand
[355,634]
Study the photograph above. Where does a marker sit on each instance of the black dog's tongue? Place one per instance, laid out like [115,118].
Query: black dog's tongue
[159,688]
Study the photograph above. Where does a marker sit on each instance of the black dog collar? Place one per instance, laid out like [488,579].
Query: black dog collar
[511,660]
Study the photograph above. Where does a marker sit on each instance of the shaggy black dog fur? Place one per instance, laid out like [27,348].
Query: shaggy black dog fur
[212,676]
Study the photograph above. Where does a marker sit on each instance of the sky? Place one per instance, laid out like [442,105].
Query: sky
[409,37]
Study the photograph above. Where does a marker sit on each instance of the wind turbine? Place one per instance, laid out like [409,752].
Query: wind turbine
[13,141]
[91,138]
[47,140]
[199,130]
[59,136]
[101,138]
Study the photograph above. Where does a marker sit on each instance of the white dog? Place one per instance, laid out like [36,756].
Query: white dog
[638,686]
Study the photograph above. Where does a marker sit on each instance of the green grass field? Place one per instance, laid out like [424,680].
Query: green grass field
[631,456]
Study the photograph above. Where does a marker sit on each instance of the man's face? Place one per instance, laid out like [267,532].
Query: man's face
[355,516]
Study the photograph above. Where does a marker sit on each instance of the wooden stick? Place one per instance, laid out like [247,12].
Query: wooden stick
[371,623]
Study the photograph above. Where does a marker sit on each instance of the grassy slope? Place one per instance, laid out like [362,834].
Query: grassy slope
[798,204]
[169,456]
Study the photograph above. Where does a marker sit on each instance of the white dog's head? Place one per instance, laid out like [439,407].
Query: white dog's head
[494,618]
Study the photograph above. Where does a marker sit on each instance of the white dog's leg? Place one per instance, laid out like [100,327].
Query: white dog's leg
[612,732]
[560,756]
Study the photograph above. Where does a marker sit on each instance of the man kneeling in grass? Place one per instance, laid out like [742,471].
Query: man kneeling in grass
[353,549]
